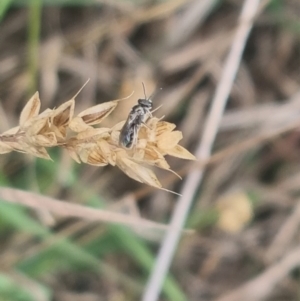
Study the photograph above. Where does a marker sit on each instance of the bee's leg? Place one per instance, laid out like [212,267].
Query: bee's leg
[145,125]
[135,136]
[155,110]
[150,113]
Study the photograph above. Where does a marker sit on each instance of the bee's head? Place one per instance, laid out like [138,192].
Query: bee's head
[146,103]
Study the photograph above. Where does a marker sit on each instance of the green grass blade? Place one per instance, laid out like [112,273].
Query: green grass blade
[11,289]
[35,10]
[139,252]
[72,254]
[4,5]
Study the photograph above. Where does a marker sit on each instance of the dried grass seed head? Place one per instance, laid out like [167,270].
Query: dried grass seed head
[95,146]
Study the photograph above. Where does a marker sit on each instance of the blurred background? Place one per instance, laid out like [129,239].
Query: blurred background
[246,213]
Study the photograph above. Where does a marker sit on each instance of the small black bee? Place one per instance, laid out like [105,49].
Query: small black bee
[136,118]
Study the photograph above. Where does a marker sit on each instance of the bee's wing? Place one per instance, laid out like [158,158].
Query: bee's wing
[127,132]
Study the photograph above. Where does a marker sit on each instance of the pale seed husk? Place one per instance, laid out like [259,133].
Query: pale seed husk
[105,149]
[78,125]
[73,154]
[164,126]
[137,171]
[168,140]
[47,140]
[4,148]
[180,152]
[31,109]
[92,156]
[63,114]
[11,132]
[96,114]
[96,133]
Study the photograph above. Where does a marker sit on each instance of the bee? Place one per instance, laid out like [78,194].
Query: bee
[137,117]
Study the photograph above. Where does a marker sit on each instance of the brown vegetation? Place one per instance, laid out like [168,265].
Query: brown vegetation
[245,215]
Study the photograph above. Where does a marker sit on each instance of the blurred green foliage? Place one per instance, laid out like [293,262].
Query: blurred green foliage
[60,254]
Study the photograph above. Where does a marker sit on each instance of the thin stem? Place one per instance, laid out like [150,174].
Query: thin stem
[203,152]
[35,9]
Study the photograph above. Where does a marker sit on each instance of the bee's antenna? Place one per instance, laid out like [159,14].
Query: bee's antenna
[152,95]
[144,90]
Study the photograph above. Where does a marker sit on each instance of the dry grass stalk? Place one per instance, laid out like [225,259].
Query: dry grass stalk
[94,145]
[64,209]
[166,253]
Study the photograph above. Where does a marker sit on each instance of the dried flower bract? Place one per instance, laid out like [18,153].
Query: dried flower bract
[95,146]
